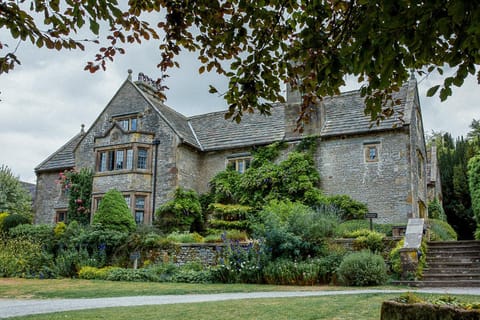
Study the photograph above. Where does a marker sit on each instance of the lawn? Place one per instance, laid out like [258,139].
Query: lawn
[356,307]
[341,307]
[336,307]
[75,288]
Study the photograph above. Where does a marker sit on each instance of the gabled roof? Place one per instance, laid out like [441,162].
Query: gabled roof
[214,132]
[63,158]
[177,121]
[344,115]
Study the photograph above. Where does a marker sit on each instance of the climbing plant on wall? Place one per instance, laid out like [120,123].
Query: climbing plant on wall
[77,185]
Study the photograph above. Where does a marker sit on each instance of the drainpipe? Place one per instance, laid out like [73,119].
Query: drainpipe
[155,142]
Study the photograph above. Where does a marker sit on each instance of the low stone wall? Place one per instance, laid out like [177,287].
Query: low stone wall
[209,254]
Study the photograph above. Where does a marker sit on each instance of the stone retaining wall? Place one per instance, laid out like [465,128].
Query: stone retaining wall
[209,254]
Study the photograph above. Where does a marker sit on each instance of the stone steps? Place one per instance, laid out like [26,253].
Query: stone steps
[451,264]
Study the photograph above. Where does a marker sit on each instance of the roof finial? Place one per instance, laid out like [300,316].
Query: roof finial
[130,74]
[82,130]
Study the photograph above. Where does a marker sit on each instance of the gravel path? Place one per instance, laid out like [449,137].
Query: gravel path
[16,307]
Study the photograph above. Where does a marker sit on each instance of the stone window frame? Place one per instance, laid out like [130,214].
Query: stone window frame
[107,162]
[367,151]
[239,162]
[61,215]
[128,122]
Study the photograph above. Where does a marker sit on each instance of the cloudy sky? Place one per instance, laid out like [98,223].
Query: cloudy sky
[46,99]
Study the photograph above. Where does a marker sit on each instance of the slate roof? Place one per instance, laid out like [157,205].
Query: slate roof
[63,158]
[214,132]
[344,115]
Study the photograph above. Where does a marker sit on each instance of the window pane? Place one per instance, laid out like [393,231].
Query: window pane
[133,124]
[128,200]
[129,159]
[119,160]
[102,166]
[240,166]
[124,124]
[142,159]
[139,216]
[139,202]
[372,153]
[111,160]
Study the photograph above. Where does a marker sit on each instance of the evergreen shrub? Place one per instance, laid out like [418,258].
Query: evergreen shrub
[435,210]
[351,208]
[372,241]
[113,213]
[14,220]
[362,268]
[180,213]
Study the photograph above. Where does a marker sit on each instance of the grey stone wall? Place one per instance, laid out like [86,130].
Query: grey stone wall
[383,185]
[128,100]
[48,194]
[418,158]
[190,173]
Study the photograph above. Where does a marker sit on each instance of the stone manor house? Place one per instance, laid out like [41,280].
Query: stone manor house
[146,150]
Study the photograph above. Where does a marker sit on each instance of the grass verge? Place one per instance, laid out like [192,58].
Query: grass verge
[75,288]
[342,307]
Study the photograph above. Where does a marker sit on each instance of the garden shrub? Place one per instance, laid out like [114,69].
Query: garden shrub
[59,229]
[229,225]
[435,210]
[293,230]
[136,275]
[14,220]
[192,272]
[3,215]
[372,241]
[352,209]
[178,237]
[41,233]
[362,268]
[216,236]
[346,227]
[113,213]
[328,266]
[241,263]
[440,230]
[93,273]
[68,262]
[23,258]
[224,187]
[394,258]
[286,272]
[180,213]
[229,216]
